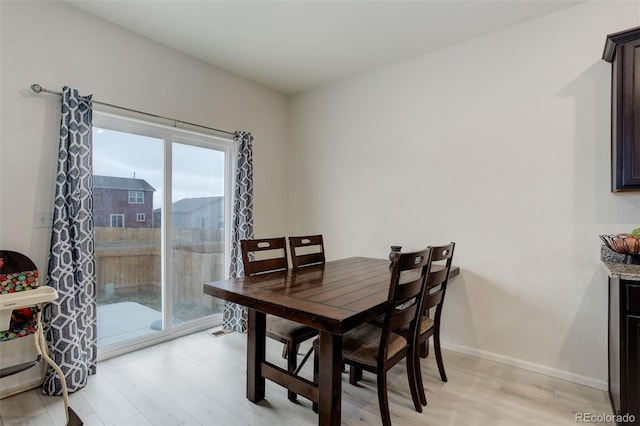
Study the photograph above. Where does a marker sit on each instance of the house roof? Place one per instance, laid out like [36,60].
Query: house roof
[112,182]
[190,204]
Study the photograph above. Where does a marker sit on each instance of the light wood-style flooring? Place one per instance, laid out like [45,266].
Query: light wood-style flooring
[200,380]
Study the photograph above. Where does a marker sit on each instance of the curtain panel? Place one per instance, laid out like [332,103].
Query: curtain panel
[235,316]
[70,321]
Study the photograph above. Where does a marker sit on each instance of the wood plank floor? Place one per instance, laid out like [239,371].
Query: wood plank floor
[200,380]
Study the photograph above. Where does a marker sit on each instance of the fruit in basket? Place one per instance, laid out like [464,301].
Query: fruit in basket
[636,233]
[626,244]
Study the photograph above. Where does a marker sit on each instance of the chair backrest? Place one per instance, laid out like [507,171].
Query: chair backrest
[406,293]
[441,257]
[264,255]
[306,250]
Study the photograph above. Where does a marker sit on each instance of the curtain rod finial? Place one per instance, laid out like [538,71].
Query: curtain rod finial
[36,88]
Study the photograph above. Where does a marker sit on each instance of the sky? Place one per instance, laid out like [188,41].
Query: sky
[196,171]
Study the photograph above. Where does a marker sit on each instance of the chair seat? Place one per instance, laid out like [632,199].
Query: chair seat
[426,324]
[283,329]
[362,344]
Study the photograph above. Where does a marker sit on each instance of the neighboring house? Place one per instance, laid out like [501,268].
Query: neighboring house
[195,213]
[122,202]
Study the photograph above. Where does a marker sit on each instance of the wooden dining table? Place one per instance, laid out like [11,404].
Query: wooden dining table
[334,298]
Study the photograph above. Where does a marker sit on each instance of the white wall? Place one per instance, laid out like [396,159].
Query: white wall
[500,144]
[54,44]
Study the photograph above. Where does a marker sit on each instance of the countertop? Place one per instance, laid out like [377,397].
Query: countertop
[616,269]
[623,271]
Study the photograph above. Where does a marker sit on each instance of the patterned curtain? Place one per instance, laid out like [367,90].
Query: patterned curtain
[70,321]
[235,316]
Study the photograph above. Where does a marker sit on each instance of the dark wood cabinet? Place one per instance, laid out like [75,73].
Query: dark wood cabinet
[623,51]
[624,348]
[633,362]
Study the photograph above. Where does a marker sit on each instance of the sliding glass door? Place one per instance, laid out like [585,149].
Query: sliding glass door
[161,209]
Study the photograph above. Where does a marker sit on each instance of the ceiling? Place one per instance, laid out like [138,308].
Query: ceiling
[294,46]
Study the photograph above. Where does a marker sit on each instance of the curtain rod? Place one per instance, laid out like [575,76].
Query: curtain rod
[38,89]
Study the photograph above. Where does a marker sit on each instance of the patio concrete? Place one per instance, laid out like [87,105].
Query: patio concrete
[125,320]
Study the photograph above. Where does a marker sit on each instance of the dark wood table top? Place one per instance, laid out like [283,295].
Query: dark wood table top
[333,297]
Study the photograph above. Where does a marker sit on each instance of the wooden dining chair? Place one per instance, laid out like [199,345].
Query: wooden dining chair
[437,279]
[306,250]
[261,256]
[378,349]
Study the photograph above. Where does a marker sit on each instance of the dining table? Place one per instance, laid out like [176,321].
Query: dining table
[333,297]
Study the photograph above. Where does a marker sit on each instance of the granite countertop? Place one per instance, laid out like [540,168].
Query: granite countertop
[623,271]
[616,269]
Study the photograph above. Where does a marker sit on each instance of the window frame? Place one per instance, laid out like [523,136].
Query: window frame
[136,198]
[201,222]
[116,216]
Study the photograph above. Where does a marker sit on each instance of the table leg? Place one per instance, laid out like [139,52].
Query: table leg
[256,336]
[330,379]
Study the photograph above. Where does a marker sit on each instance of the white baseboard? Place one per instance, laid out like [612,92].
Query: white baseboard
[529,366]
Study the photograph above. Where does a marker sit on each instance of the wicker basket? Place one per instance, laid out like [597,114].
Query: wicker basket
[624,244]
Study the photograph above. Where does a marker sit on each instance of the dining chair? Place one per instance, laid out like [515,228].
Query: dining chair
[437,279]
[306,250]
[261,256]
[378,349]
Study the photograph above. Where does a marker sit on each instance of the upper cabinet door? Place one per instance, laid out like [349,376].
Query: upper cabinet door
[623,51]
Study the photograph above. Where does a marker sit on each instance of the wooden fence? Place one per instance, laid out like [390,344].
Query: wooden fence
[128,264]
[139,235]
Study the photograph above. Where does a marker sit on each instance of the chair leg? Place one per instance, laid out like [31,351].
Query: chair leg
[304,359]
[413,362]
[316,368]
[292,364]
[355,374]
[424,349]
[382,399]
[418,376]
[436,346]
